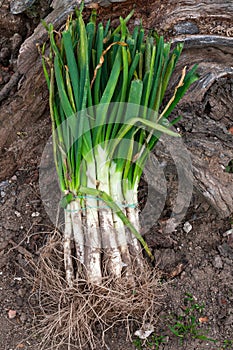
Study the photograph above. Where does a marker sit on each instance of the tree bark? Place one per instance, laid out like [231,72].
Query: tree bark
[207,108]
[208,118]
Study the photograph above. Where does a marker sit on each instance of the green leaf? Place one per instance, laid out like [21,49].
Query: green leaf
[84,83]
[66,200]
[135,92]
[72,65]
[68,110]
[99,52]
[189,79]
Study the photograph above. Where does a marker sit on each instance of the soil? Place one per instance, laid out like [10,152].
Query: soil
[196,261]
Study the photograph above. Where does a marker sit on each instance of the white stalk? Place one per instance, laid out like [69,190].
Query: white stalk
[92,235]
[78,233]
[108,232]
[117,195]
[68,238]
[132,211]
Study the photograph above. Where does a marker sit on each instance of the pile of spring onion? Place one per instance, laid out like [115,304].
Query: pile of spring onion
[106,91]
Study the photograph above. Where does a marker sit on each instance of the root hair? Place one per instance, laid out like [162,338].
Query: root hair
[79,317]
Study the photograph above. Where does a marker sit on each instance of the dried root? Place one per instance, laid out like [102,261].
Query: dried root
[79,317]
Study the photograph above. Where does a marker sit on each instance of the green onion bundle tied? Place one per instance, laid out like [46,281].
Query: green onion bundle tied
[106,90]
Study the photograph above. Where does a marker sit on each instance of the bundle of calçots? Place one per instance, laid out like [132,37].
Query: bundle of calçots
[106,91]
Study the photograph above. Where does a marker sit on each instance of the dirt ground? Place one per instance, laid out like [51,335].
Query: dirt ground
[195,260]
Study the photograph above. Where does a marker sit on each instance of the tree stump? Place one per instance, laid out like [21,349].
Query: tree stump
[208,118]
[207,108]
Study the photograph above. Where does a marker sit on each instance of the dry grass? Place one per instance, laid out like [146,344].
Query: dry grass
[80,317]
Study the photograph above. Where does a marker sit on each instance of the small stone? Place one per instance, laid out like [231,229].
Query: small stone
[14,178]
[12,314]
[35,214]
[187,227]
[2,193]
[145,332]
[228,233]
[218,262]
[17,278]
[137,22]
[17,213]
[166,339]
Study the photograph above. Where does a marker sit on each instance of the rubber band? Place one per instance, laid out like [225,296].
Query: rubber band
[100,207]
[121,205]
[133,205]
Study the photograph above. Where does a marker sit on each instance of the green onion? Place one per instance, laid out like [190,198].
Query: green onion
[106,95]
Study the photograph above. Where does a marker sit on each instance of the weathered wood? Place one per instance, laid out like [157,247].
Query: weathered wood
[185,10]
[206,108]
[9,86]
[208,117]
[28,53]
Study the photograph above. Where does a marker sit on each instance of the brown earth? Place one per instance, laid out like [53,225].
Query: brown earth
[198,262]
